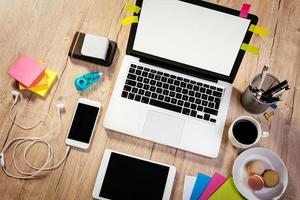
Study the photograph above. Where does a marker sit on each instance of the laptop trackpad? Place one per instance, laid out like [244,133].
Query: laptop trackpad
[163,128]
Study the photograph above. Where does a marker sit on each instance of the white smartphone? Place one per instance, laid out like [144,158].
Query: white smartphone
[83,123]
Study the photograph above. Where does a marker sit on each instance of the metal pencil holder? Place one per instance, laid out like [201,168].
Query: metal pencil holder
[249,100]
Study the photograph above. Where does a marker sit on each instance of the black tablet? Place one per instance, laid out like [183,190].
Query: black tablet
[122,176]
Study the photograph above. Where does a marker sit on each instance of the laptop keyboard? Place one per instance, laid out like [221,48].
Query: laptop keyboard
[175,93]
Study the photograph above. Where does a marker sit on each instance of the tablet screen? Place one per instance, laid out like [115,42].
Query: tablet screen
[131,178]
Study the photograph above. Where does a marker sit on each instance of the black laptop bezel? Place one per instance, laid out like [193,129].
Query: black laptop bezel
[188,69]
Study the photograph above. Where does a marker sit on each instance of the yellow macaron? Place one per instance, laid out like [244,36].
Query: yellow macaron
[271,178]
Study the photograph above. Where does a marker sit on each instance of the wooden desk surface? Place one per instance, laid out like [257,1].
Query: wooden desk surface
[44,30]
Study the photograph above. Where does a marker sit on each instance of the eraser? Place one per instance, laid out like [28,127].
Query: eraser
[95,46]
[94,49]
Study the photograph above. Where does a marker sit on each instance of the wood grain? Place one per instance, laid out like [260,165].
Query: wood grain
[44,30]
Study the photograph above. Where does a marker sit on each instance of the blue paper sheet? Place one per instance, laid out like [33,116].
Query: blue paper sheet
[200,185]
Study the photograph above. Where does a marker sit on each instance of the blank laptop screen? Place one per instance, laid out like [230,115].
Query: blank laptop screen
[190,34]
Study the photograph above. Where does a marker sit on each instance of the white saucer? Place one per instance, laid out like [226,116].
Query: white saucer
[272,160]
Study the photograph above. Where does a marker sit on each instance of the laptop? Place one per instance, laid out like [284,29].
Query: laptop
[175,81]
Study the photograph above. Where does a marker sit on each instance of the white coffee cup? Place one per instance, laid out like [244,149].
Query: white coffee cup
[260,132]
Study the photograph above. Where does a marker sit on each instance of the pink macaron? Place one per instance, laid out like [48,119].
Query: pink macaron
[255,182]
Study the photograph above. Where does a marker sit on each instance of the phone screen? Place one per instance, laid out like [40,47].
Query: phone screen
[83,123]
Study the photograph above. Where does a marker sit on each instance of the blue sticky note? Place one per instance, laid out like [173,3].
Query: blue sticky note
[200,185]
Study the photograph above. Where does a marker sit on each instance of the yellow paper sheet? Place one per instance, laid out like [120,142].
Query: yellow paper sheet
[263,32]
[40,84]
[129,20]
[252,49]
[133,8]
[51,77]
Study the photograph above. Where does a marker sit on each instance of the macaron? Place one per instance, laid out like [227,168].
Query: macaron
[256,167]
[271,178]
[255,182]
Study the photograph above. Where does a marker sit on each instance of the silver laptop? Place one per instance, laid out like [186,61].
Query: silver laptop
[175,82]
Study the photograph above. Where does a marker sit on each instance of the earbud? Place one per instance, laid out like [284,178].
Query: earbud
[2,162]
[60,107]
[16,95]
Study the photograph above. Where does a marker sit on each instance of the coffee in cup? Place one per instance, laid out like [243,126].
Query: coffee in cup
[245,132]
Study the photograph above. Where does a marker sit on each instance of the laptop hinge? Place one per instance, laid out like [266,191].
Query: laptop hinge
[180,69]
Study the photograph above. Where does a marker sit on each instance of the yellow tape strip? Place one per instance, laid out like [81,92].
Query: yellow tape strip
[252,49]
[129,20]
[263,32]
[133,8]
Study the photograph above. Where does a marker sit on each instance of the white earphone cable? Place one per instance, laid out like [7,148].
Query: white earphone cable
[22,126]
[32,141]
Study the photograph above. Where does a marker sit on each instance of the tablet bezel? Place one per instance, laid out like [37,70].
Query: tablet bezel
[104,165]
[188,69]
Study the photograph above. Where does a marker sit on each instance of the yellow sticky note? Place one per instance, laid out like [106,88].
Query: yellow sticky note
[51,77]
[40,84]
[129,20]
[263,32]
[133,8]
[252,49]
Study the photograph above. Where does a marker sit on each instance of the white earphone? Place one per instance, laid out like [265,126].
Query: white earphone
[32,141]
[17,95]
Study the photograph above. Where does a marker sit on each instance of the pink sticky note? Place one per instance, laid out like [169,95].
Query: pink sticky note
[26,70]
[245,10]
[216,182]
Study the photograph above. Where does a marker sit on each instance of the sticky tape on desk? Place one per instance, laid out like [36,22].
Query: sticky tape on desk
[245,10]
[133,8]
[249,48]
[129,20]
[263,32]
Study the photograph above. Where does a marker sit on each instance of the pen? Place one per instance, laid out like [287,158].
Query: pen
[265,98]
[277,94]
[263,76]
[270,100]
[276,88]
[271,85]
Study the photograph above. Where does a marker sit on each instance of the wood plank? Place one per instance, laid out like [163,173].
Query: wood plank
[45,32]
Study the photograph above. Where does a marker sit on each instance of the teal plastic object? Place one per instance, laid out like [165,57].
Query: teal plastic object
[86,80]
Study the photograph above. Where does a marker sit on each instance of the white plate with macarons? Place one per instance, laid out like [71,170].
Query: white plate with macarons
[271,162]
